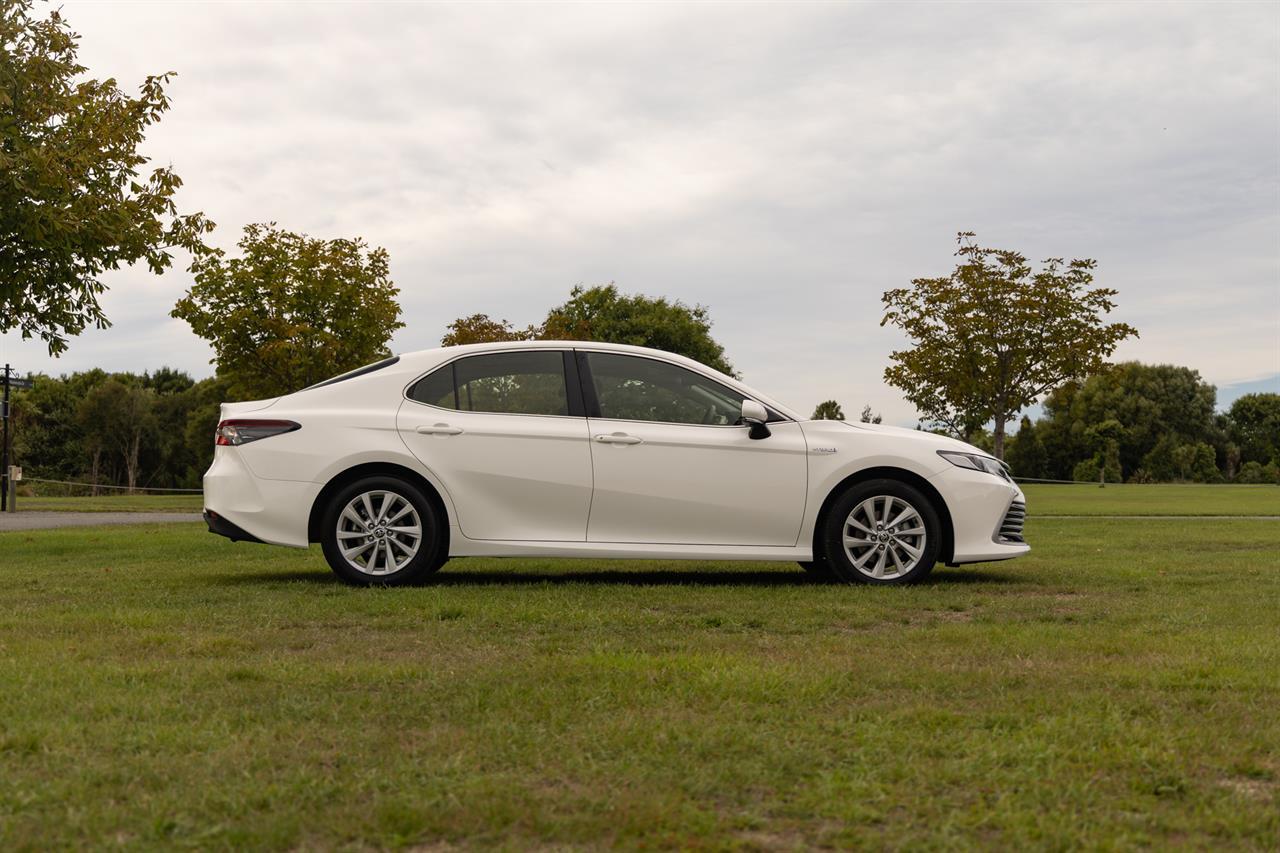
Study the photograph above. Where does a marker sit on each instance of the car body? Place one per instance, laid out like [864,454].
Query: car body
[576,449]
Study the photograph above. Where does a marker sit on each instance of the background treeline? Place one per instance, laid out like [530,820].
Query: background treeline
[1136,422]
[1143,423]
[153,430]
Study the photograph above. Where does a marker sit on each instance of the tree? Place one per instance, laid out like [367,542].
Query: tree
[1253,473]
[1154,403]
[482,329]
[1253,422]
[73,203]
[867,418]
[291,310]
[67,427]
[1195,462]
[992,337]
[47,439]
[116,418]
[1026,452]
[828,410]
[603,314]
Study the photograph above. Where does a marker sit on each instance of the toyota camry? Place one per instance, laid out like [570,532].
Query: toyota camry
[572,449]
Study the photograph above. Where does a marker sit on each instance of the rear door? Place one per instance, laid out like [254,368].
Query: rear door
[505,433]
[672,464]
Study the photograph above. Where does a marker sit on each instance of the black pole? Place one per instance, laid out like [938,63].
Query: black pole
[4,479]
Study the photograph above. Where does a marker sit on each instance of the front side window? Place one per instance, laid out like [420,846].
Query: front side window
[643,389]
[510,383]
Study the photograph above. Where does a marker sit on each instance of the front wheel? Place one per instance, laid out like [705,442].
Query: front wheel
[882,532]
[381,531]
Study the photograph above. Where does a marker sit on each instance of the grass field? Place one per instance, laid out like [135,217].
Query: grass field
[113,503]
[1042,499]
[1117,688]
[1160,499]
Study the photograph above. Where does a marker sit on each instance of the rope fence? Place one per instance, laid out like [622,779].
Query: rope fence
[105,486]
[1078,482]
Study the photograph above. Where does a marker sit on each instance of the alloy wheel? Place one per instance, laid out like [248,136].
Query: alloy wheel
[884,537]
[379,532]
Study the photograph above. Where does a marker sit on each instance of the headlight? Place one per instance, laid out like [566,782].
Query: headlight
[975,462]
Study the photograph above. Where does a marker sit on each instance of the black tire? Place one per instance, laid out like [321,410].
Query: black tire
[843,567]
[430,554]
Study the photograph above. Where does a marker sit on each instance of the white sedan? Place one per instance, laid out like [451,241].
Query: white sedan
[572,449]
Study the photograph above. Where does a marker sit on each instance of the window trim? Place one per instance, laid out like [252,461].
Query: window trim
[593,404]
[573,401]
[363,370]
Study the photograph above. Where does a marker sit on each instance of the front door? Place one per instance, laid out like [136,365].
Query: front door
[672,465]
[496,428]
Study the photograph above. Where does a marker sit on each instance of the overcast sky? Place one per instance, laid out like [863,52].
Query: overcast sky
[781,164]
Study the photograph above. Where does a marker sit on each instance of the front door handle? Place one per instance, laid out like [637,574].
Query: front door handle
[618,438]
[439,429]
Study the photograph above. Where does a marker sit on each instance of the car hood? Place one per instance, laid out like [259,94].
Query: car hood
[921,438]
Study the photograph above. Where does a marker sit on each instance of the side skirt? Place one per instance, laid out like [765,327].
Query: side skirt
[460,546]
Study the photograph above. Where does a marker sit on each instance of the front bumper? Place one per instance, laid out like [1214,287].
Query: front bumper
[979,505]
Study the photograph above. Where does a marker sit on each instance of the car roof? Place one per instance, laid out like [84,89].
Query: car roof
[429,357]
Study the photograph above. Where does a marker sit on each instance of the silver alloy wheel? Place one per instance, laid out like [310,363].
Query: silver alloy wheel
[884,537]
[379,532]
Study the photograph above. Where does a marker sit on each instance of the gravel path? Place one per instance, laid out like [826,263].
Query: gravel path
[47,520]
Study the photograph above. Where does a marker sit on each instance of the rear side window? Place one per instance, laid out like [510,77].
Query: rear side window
[436,389]
[508,383]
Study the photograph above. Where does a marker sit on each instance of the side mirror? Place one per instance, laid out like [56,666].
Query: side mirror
[755,416]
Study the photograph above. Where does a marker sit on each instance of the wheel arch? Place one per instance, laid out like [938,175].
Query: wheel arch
[375,469]
[886,472]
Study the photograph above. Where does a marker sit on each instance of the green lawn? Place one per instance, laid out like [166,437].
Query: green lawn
[114,503]
[160,686]
[1173,499]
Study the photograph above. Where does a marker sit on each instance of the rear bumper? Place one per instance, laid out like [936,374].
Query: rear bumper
[219,525]
[256,509]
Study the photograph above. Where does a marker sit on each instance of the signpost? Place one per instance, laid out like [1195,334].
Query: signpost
[8,498]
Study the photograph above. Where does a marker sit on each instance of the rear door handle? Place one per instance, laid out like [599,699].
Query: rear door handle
[439,429]
[618,438]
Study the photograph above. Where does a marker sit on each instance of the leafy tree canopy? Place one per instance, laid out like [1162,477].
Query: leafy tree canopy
[1254,425]
[291,310]
[828,410]
[482,329]
[992,337]
[603,314]
[73,201]
[1144,403]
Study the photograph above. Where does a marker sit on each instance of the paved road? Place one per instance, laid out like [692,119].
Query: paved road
[45,520]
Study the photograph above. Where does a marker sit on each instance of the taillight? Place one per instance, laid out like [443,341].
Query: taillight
[239,431]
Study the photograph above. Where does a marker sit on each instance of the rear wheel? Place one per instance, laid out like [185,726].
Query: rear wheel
[381,531]
[882,532]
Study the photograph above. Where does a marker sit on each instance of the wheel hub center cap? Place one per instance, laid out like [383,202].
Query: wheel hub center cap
[379,532]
